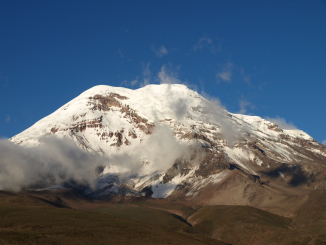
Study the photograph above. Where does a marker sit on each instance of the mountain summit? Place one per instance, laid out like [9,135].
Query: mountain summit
[167,141]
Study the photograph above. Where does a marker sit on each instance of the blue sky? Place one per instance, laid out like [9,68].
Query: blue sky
[265,58]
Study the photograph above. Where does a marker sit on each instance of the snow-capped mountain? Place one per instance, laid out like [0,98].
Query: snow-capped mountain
[182,146]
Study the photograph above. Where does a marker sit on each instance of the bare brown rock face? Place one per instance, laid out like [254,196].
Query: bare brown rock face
[120,97]
[127,142]
[119,138]
[81,126]
[54,130]
[104,103]
[105,136]
[274,127]
[193,135]
[180,166]
[138,121]
[213,163]
[132,134]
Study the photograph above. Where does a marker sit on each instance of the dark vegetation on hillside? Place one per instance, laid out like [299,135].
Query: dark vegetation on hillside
[65,217]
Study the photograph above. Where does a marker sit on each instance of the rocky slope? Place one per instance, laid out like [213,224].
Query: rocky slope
[167,141]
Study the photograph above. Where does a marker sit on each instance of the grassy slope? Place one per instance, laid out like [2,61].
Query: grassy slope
[311,217]
[35,218]
[50,225]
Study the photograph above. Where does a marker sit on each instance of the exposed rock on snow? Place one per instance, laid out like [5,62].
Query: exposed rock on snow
[202,144]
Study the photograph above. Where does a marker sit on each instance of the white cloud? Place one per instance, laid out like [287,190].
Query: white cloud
[201,43]
[215,114]
[164,76]
[161,148]
[324,142]
[215,100]
[247,78]
[281,122]
[206,43]
[160,52]
[226,74]
[261,86]
[167,77]
[8,119]
[134,82]
[56,160]
[146,75]
[53,162]
[131,83]
[243,106]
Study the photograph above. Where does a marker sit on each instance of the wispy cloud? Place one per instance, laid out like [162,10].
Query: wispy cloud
[134,82]
[324,142]
[206,43]
[202,42]
[146,75]
[167,77]
[120,53]
[243,106]
[213,99]
[246,78]
[216,114]
[131,83]
[8,119]
[56,161]
[53,162]
[281,122]
[261,86]
[226,74]
[161,51]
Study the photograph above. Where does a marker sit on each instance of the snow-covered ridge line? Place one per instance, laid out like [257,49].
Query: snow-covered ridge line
[120,122]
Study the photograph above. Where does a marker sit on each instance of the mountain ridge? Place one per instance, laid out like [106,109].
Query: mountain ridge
[176,144]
